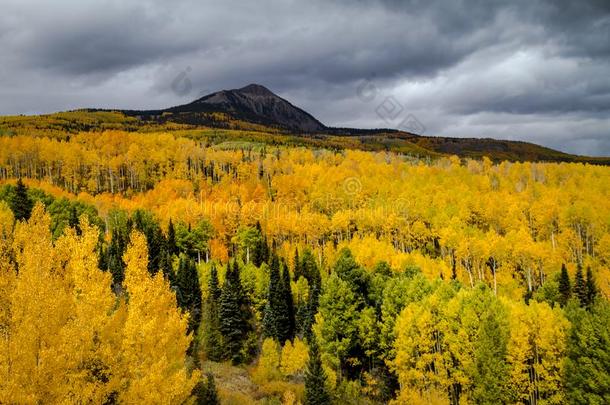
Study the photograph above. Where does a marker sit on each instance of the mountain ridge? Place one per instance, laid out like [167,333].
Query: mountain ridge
[254,113]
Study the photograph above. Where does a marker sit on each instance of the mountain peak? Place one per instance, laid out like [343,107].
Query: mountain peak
[256,89]
[254,103]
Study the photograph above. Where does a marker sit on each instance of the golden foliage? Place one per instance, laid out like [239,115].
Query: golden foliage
[294,358]
[66,337]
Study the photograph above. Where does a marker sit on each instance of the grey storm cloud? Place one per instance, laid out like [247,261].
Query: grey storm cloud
[534,70]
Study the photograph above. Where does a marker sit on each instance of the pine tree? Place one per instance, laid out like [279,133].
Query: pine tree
[265,249]
[115,251]
[580,288]
[297,271]
[205,392]
[316,392]
[256,254]
[261,250]
[172,248]
[211,333]
[189,291]
[276,323]
[73,219]
[309,268]
[155,240]
[591,287]
[235,315]
[167,268]
[289,304]
[312,309]
[587,366]
[21,203]
[565,290]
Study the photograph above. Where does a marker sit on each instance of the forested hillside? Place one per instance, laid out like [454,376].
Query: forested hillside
[213,125]
[192,267]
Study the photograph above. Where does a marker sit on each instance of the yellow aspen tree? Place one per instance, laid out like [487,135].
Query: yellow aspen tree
[294,358]
[92,335]
[58,337]
[34,364]
[154,345]
[268,368]
[536,349]
[7,284]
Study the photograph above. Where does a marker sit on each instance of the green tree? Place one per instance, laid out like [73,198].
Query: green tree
[73,219]
[336,325]
[296,271]
[146,223]
[211,333]
[261,248]
[591,287]
[189,291]
[309,269]
[205,392]
[580,287]
[172,248]
[21,203]
[348,270]
[235,315]
[587,369]
[316,392]
[491,370]
[194,241]
[286,291]
[565,289]
[276,322]
[310,311]
[114,262]
[248,239]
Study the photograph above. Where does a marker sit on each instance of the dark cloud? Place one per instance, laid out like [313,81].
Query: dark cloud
[528,69]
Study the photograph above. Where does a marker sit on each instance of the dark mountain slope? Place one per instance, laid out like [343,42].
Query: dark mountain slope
[253,103]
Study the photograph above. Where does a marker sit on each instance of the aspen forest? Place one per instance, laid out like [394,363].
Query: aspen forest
[203,267]
[321,202]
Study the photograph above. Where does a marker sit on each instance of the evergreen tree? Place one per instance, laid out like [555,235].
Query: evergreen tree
[261,250]
[276,323]
[297,271]
[580,288]
[591,287]
[309,268]
[316,392]
[312,310]
[213,285]
[189,291]
[310,271]
[205,392]
[565,290]
[155,240]
[21,203]
[167,268]
[73,219]
[172,248]
[587,367]
[348,270]
[211,333]
[289,304]
[235,315]
[115,251]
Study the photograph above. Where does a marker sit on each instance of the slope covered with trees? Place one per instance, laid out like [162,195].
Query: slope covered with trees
[164,268]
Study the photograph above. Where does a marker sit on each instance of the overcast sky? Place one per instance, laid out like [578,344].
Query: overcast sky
[531,70]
